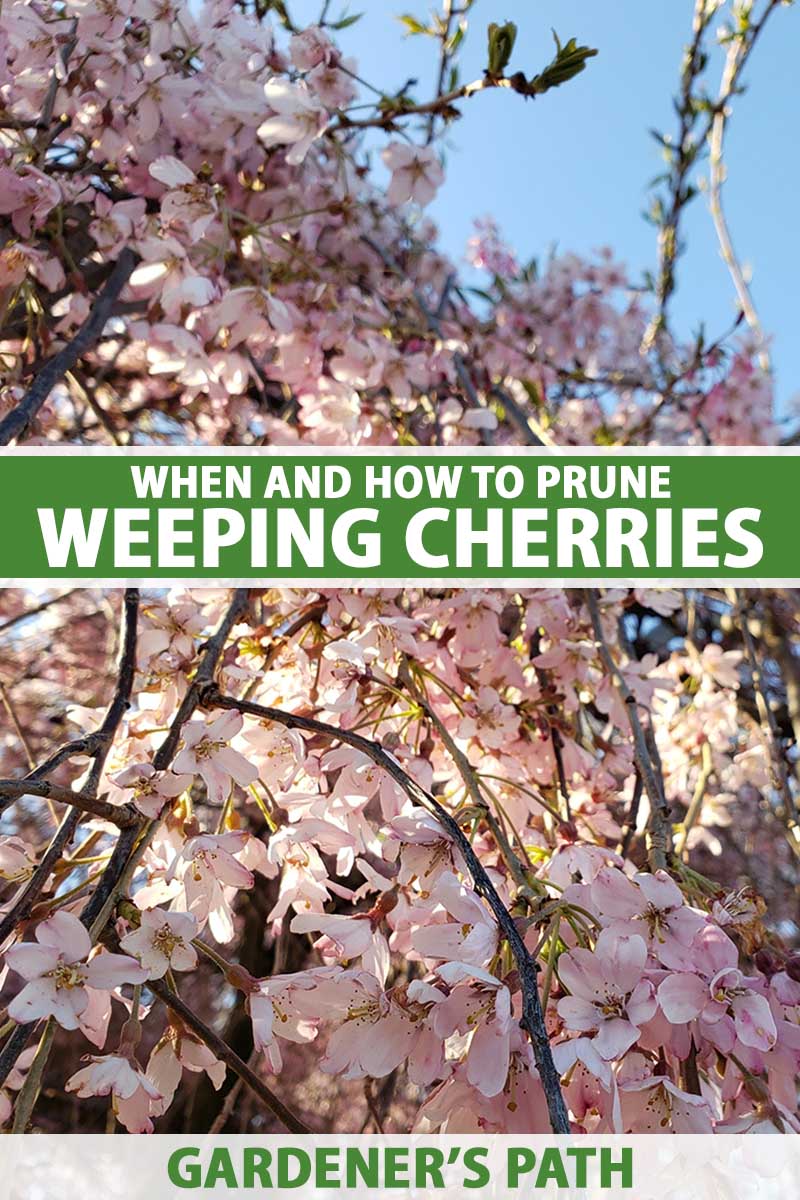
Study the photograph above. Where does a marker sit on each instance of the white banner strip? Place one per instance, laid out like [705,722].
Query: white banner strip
[44,1167]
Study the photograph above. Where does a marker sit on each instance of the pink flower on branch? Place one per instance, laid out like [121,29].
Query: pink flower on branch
[58,977]
[651,906]
[163,942]
[133,1096]
[608,994]
[417,173]
[207,752]
[298,118]
[147,788]
[479,1004]
[719,996]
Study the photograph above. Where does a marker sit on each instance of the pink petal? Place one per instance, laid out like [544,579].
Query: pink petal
[615,895]
[754,1022]
[65,933]
[487,1060]
[660,890]
[614,1037]
[30,960]
[107,971]
[682,997]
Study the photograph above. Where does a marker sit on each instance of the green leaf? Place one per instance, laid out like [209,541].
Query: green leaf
[346,22]
[569,61]
[413,25]
[456,40]
[501,40]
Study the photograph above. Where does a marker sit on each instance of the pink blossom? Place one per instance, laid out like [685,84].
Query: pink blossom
[287,1007]
[470,937]
[147,788]
[375,1035]
[417,173]
[211,874]
[310,48]
[57,975]
[722,994]
[487,718]
[206,752]
[16,860]
[133,1096]
[607,992]
[346,938]
[657,1105]
[187,202]
[298,121]
[172,628]
[480,1004]
[651,906]
[163,942]
[175,1052]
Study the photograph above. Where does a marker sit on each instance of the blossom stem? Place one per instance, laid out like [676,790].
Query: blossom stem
[696,804]
[29,1092]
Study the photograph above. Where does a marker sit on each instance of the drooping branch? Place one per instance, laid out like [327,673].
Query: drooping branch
[39,608]
[659,830]
[532,1014]
[15,424]
[101,741]
[133,843]
[224,1053]
[97,745]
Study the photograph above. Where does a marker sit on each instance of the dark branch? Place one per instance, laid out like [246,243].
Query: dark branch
[532,1014]
[122,816]
[17,421]
[223,1052]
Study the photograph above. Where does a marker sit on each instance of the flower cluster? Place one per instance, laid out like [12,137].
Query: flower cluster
[279,290]
[669,1001]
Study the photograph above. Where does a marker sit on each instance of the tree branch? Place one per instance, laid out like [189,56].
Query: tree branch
[15,424]
[532,1014]
[658,825]
[122,816]
[224,1053]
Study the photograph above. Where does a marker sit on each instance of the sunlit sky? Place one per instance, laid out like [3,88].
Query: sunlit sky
[571,168]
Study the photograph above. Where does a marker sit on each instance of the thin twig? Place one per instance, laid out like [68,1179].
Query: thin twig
[658,826]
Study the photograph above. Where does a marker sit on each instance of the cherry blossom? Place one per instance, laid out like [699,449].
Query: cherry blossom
[651,906]
[148,789]
[298,119]
[207,752]
[175,1052]
[162,942]
[722,998]
[57,975]
[480,1004]
[133,1096]
[210,872]
[417,173]
[608,994]
[16,859]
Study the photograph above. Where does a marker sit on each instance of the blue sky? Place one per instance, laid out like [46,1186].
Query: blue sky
[572,167]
